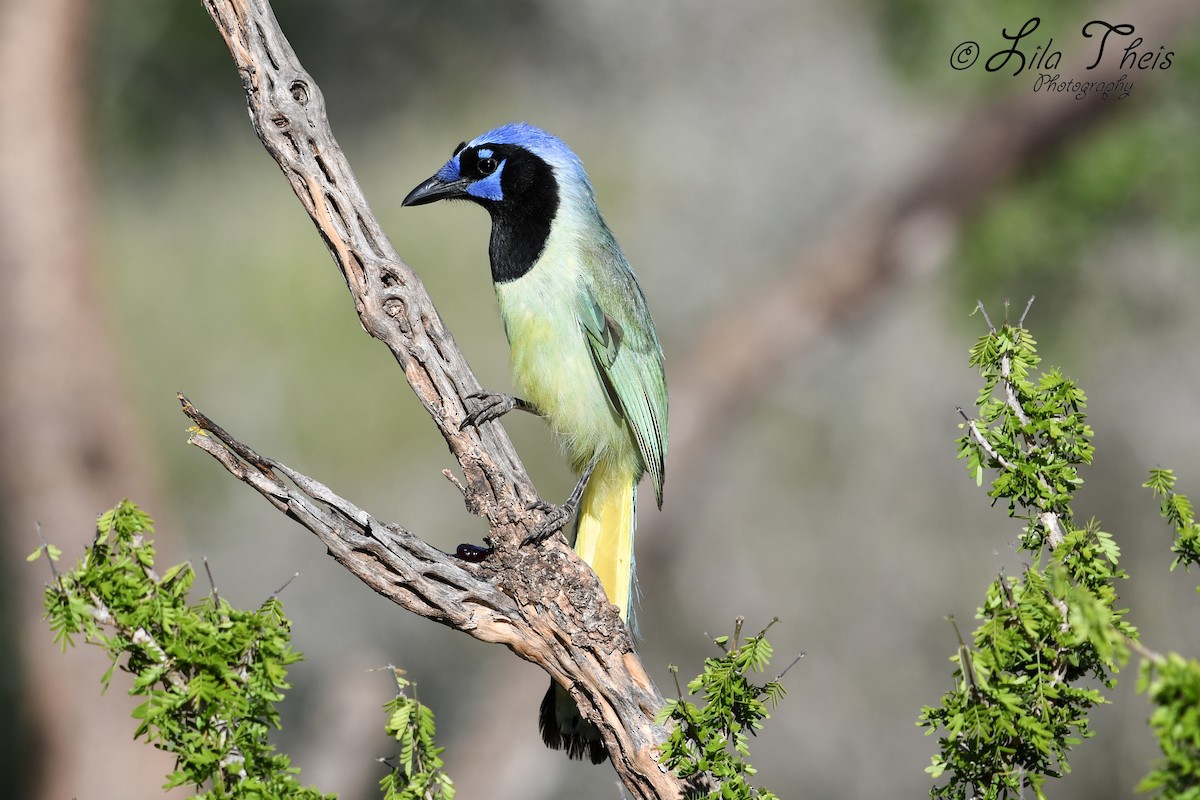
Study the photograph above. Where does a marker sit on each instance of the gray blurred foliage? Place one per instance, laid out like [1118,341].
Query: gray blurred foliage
[721,138]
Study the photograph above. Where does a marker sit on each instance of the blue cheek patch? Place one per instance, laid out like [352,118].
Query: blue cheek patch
[488,188]
[450,172]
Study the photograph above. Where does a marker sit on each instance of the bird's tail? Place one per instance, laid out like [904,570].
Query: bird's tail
[604,531]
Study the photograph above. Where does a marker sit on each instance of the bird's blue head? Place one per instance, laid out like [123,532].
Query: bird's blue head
[529,181]
[511,167]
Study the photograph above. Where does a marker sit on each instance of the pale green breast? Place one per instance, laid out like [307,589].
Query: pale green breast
[552,366]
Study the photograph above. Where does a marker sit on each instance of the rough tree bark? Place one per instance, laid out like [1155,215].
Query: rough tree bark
[542,602]
[70,444]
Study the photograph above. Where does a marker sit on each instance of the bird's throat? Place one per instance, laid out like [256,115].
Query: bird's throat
[519,233]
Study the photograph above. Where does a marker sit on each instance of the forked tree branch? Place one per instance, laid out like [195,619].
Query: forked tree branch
[542,602]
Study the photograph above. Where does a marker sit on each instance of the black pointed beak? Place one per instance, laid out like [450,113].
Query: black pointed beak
[436,189]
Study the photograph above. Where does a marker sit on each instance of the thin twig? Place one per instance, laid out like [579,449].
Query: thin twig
[984,444]
[212,583]
[46,549]
[286,584]
[967,666]
[1025,313]
[788,668]
[983,311]
[208,426]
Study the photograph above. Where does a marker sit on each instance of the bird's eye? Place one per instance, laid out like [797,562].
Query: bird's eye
[486,166]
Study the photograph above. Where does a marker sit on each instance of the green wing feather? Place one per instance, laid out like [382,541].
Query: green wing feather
[629,360]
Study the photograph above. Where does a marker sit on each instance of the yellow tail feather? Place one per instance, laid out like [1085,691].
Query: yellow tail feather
[604,532]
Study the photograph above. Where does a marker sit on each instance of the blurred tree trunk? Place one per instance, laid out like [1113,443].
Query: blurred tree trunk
[70,450]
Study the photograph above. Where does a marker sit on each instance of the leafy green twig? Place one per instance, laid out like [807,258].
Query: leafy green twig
[1019,701]
[210,674]
[417,774]
[1177,510]
[1171,681]
[698,747]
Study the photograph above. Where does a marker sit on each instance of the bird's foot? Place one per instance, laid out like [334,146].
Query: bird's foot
[555,520]
[558,516]
[484,407]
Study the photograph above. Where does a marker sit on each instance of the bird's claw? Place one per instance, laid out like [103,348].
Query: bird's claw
[484,407]
[557,517]
[555,520]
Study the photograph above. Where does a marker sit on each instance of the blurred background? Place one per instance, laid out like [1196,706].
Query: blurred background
[813,200]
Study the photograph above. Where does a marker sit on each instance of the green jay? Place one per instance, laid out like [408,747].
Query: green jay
[584,354]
